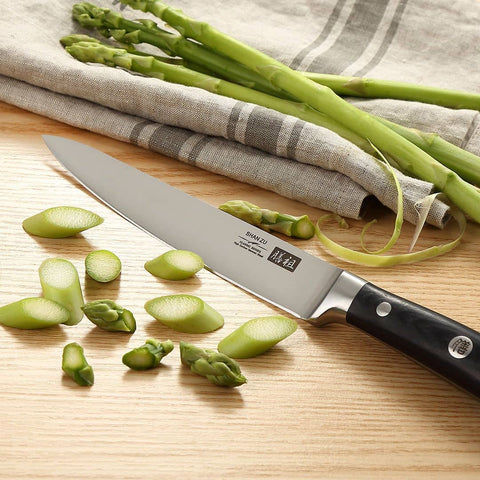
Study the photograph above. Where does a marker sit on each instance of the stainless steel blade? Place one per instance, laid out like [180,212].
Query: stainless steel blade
[247,256]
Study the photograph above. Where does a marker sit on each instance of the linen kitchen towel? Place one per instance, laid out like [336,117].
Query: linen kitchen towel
[382,38]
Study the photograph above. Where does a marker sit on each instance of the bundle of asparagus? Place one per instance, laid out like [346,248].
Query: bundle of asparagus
[201,56]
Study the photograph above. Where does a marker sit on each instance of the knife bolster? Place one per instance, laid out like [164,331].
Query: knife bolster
[335,305]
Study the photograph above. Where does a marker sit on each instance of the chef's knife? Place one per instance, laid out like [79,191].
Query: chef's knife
[272,269]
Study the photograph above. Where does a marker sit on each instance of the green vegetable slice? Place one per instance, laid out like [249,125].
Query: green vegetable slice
[110,316]
[218,368]
[185,313]
[257,336]
[148,355]
[61,222]
[60,283]
[33,313]
[373,260]
[102,266]
[175,265]
[75,365]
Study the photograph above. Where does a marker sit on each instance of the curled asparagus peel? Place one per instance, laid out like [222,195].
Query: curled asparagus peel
[375,260]
[110,316]
[408,156]
[216,367]
[269,220]
[147,356]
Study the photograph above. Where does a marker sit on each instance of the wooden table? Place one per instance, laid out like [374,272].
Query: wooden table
[327,403]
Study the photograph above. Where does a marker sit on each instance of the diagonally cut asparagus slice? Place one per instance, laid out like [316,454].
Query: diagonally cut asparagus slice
[60,283]
[34,312]
[61,222]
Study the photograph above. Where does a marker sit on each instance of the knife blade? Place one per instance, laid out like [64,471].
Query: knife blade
[272,269]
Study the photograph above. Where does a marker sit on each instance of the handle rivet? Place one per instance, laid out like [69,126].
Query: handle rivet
[383,309]
[460,347]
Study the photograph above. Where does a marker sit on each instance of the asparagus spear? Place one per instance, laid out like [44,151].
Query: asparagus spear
[464,163]
[216,367]
[96,52]
[269,220]
[111,23]
[200,58]
[110,316]
[75,365]
[148,355]
[376,88]
[405,154]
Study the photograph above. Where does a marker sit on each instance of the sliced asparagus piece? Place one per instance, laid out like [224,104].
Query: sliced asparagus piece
[175,265]
[60,283]
[103,266]
[185,313]
[75,365]
[110,316]
[33,313]
[299,227]
[216,367]
[61,222]
[405,154]
[148,355]
[257,336]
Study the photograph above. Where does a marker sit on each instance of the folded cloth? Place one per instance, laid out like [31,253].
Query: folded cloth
[243,141]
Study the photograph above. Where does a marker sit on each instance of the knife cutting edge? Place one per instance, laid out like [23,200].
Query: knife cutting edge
[272,269]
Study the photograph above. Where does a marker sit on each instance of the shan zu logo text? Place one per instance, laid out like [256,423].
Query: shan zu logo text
[253,243]
[283,259]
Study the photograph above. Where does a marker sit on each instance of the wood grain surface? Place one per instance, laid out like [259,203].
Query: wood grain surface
[329,403]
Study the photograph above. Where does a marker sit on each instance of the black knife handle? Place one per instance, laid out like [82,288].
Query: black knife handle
[445,346]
